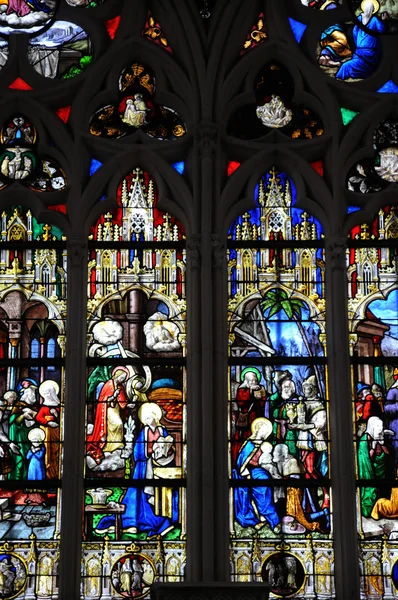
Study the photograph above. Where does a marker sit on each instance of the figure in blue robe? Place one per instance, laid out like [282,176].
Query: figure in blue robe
[366,56]
[139,515]
[36,466]
[246,514]
[37,5]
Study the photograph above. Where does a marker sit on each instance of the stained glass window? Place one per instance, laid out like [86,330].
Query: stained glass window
[349,49]
[280,517]
[273,108]
[373,174]
[121,120]
[134,506]
[136,109]
[58,47]
[373,319]
[33,276]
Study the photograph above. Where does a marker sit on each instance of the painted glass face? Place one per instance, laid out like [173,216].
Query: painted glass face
[278,407]
[21,160]
[367,11]
[136,109]
[136,400]
[373,321]
[32,380]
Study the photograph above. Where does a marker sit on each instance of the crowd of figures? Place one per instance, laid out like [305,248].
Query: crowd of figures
[280,436]
[376,413]
[30,431]
[126,437]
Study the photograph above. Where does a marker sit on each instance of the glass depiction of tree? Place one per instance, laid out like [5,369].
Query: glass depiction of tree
[33,266]
[351,48]
[134,515]
[58,47]
[373,321]
[280,520]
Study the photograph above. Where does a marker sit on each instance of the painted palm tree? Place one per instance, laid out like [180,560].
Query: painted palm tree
[277,300]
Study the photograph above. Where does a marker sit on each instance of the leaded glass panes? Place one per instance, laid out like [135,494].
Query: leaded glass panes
[58,47]
[33,275]
[136,109]
[373,319]
[273,108]
[280,517]
[136,400]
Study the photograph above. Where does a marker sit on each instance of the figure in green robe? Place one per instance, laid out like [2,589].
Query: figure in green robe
[22,418]
[374,461]
[284,412]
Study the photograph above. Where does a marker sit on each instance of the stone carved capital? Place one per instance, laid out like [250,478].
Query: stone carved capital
[219,247]
[336,246]
[193,251]
[207,136]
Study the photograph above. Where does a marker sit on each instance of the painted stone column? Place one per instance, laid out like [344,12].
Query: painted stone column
[135,319]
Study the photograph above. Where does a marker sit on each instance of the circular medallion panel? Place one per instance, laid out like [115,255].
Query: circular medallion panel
[13,575]
[284,573]
[132,576]
[21,16]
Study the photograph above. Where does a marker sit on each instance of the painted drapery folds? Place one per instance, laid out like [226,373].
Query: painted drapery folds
[280,517]
[134,509]
[376,173]
[349,49]
[373,319]
[58,47]
[274,109]
[32,347]
[20,159]
[136,109]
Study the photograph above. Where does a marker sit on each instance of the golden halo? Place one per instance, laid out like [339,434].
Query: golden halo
[49,383]
[375,3]
[256,424]
[149,408]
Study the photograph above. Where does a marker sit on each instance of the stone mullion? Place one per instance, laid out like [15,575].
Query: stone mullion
[74,423]
[194,413]
[221,490]
[206,143]
[346,570]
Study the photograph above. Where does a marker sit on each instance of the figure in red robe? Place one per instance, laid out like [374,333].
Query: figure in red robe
[250,404]
[107,434]
[48,417]
[20,7]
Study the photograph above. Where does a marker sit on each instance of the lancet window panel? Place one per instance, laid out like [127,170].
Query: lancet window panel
[33,277]
[373,320]
[135,459]
[280,497]
[61,45]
